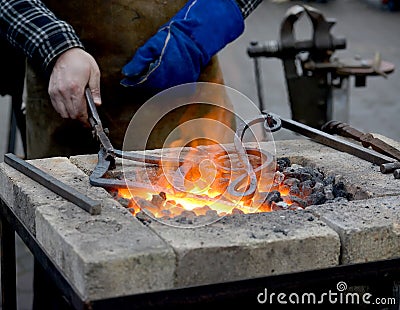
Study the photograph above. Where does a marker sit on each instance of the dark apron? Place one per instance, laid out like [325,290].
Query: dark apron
[111,31]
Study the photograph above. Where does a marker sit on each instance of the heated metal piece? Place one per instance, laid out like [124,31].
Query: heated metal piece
[270,124]
[233,188]
[104,165]
[366,139]
[333,142]
[107,155]
[58,187]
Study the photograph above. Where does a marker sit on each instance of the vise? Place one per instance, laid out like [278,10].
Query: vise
[317,82]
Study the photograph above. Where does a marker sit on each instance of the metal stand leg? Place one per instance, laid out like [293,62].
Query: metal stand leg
[8,264]
[11,224]
[17,121]
[13,131]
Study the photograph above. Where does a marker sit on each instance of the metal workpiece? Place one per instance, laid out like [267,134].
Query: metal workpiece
[64,190]
[104,164]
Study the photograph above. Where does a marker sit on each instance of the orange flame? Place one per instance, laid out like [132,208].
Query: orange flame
[199,188]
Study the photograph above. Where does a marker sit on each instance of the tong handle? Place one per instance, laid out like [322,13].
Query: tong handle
[96,124]
[92,107]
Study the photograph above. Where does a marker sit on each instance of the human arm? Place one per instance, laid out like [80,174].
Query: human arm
[53,45]
[73,70]
[247,6]
[182,47]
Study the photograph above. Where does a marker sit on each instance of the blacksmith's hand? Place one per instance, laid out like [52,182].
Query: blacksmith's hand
[73,71]
[183,46]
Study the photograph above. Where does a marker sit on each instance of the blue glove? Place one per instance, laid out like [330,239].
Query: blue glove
[181,48]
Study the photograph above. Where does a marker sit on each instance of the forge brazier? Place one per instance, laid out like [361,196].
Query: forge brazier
[114,254]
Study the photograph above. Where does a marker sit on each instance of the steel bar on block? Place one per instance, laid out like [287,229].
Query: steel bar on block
[58,187]
[8,265]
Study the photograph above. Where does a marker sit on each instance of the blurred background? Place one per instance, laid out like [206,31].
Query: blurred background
[369,26]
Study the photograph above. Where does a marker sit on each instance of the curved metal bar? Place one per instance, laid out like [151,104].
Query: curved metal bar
[233,187]
[105,163]
[149,159]
[270,124]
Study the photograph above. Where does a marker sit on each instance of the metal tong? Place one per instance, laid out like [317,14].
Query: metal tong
[108,154]
[98,130]
[367,140]
[274,122]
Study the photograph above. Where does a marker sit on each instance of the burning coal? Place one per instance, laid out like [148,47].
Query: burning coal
[289,187]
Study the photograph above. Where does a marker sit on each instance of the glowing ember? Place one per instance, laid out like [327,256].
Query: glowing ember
[201,189]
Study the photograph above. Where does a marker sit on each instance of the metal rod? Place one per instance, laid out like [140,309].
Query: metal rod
[258,74]
[58,187]
[8,273]
[336,143]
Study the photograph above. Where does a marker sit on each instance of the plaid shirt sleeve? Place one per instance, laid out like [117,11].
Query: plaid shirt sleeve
[30,26]
[247,6]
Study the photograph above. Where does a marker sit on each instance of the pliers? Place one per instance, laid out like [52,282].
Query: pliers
[108,154]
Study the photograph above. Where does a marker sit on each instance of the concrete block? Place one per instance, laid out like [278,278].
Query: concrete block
[300,148]
[106,255]
[361,178]
[252,245]
[369,230]
[62,169]
[23,195]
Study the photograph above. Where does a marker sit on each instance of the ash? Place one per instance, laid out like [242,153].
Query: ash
[304,185]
